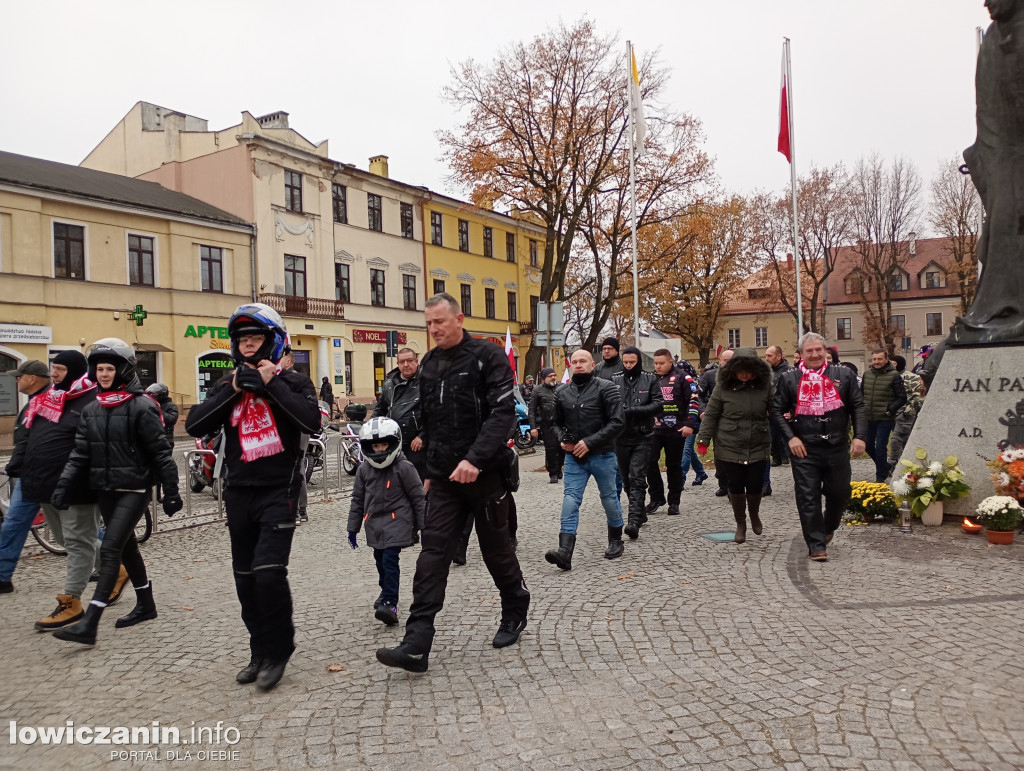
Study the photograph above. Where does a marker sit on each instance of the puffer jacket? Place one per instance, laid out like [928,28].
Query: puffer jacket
[542,406]
[737,413]
[832,428]
[389,502]
[591,411]
[641,402]
[400,401]
[46,454]
[121,448]
[884,393]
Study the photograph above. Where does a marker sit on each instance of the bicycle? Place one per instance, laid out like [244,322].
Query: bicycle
[351,452]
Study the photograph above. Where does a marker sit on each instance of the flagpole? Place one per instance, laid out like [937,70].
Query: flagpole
[792,180]
[632,192]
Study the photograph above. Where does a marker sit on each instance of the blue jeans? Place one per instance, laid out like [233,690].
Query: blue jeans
[604,468]
[389,573]
[17,523]
[878,446]
[691,459]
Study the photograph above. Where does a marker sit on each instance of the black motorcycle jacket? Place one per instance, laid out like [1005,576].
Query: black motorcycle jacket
[589,409]
[642,401]
[400,401]
[542,406]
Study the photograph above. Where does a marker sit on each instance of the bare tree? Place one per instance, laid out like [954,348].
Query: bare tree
[956,216]
[887,204]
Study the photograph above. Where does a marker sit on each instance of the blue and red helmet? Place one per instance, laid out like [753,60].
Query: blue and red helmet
[259,319]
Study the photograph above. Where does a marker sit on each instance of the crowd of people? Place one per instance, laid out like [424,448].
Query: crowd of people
[90,445]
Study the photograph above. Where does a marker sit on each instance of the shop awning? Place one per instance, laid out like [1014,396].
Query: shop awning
[153,347]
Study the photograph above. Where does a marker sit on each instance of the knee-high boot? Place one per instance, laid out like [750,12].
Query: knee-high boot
[754,508]
[739,505]
[85,630]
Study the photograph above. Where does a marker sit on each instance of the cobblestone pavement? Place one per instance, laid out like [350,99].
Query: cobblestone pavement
[902,652]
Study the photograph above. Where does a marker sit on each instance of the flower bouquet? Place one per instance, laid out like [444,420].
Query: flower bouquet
[1008,472]
[924,482]
[869,500]
[999,513]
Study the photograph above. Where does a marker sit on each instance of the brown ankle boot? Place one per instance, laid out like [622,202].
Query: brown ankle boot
[739,505]
[754,507]
[119,585]
[68,611]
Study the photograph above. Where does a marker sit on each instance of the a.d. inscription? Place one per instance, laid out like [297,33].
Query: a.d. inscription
[970,433]
[987,385]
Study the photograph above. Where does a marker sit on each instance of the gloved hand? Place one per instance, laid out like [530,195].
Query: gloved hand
[249,379]
[702,449]
[352,540]
[172,504]
[59,499]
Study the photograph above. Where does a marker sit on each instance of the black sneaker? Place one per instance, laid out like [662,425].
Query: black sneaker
[553,479]
[653,506]
[403,657]
[673,511]
[699,480]
[6,587]
[721,492]
[271,674]
[508,632]
[387,613]
[248,673]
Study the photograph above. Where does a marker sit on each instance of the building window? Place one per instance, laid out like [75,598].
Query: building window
[734,338]
[294,276]
[68,251]
[510,247]
[933,279]
[933,324]
[406,220]
[760,337]
[534,300]
[533,254]
[899,323]
[488,242]
[339,193]
[374,217]
[436,235]
[467,299]
[489,303]
[211,264]
[409,292]
[513,312]
[463,236]
[342,283]
[898,282]
[292,190]
[438,285]
[140,260]
[856,283]
[377,287]
[844,329]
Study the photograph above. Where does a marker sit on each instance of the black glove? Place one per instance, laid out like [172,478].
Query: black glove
[249,379]
[172,504]
[59,498]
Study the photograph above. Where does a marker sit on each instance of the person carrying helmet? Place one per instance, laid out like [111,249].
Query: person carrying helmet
[159,393]
[388,497]
[264,411]
[121,449]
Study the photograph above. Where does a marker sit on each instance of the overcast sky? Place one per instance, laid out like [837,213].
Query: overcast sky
[889,75]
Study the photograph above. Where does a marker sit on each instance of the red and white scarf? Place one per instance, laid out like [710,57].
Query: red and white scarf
[257,430]
[113,398]
[50,405]
[817,394]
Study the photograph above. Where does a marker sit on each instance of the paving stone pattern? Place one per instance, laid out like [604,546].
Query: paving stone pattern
[902,652]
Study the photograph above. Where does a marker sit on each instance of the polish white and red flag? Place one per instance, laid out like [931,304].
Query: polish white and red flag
[510,353]
[784,132]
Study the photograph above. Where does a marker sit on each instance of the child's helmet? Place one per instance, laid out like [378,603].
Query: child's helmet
[380,430]
[257,318]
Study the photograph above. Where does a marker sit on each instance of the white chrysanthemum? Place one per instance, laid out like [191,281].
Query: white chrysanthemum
[924,482]
[1018,453]
[1006,457]
[935,467]
[1004,479]
[900,487]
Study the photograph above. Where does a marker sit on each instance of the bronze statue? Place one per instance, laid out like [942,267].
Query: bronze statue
[996,163]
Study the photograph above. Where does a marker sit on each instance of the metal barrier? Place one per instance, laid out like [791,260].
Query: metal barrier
[343,439]
[218,485]
[323,466]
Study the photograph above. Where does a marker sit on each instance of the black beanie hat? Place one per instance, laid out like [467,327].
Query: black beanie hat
[614,343]
[76,364]
[545,372]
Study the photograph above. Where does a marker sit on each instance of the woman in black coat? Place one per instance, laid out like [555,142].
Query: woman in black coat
[120,446]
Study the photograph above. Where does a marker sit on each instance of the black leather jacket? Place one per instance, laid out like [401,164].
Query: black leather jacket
[591,411]
[642,400]
[542,406]
[400,401]
[833,427]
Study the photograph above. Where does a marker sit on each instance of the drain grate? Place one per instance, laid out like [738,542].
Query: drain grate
[719,537]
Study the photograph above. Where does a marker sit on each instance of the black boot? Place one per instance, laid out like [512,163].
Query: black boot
[144,609]
[615,546]
[632,528]
[460,553]
[562,556]
[85,630]
[754,507]
[739,506]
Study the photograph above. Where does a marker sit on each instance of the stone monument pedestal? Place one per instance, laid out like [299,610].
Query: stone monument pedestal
[976,401]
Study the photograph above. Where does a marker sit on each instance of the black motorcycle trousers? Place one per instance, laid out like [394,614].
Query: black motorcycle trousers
[673,447]
[486,503]
[825,471]
[634,461]
[554,455]
[261,522]
[121,512]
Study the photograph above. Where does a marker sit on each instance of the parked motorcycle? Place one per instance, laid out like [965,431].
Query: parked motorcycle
[202,467]
[316,448]
[521,436]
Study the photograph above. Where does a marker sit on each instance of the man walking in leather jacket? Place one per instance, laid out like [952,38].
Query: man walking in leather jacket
[641,402]
[542,420]
[588,417]
[400,401]
[813,407]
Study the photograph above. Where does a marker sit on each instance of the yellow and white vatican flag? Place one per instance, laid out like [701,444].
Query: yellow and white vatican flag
[636,105]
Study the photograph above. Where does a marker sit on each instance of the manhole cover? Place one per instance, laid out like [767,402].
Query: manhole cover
[719,537]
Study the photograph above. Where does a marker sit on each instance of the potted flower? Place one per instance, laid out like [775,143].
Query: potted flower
[869,500]
[925,485]
[1001,515]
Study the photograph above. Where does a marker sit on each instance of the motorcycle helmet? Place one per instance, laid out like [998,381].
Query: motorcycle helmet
[111,350]
[257,318]
[158,391]
[380,430]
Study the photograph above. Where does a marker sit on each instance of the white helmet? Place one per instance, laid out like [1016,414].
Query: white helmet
[380,430]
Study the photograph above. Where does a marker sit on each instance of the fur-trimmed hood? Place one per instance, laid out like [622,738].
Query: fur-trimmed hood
[745,359]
